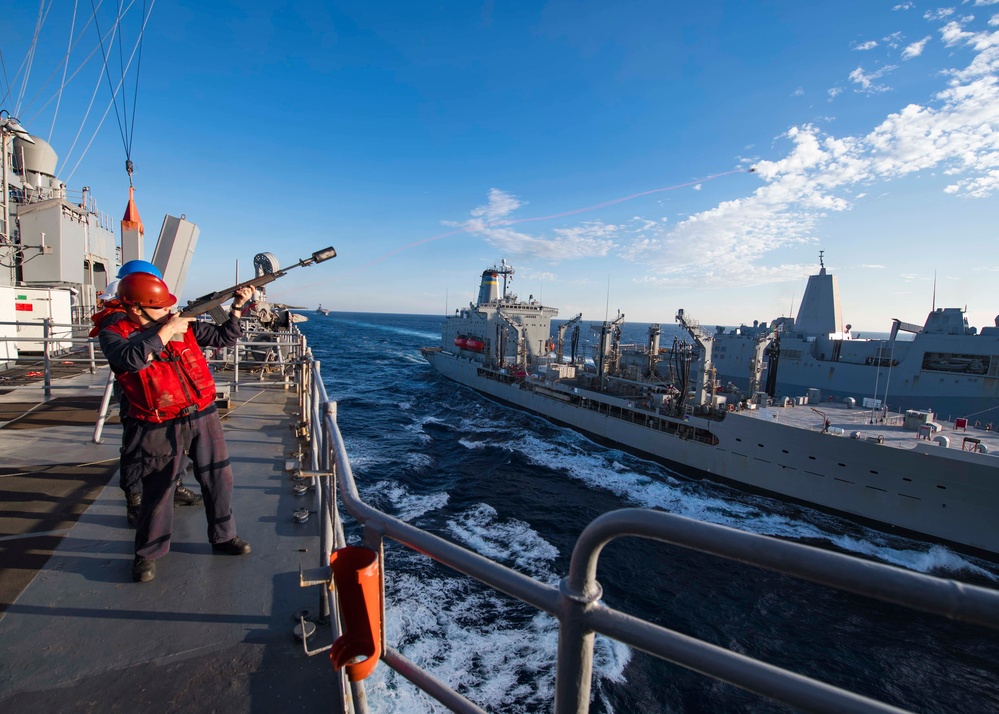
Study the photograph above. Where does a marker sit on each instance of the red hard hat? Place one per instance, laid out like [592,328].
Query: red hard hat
[145,290]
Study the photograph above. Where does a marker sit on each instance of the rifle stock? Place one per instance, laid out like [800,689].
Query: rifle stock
[209,302]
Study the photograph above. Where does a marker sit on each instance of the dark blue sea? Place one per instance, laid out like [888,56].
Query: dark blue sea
[519,490]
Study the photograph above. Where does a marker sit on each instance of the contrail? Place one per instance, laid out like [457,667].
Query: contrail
[617,200]
[514,221]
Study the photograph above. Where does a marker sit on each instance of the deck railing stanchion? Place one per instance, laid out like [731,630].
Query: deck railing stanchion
[46,335]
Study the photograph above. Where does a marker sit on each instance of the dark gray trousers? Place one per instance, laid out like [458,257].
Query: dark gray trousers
[161,449]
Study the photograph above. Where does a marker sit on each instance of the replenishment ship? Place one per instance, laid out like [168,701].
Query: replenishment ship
[898,470]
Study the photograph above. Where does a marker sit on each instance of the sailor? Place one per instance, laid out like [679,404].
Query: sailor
[129,468]
[158,363]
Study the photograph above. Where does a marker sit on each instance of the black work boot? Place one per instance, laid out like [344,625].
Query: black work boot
[184,496]
[234,546]
[143,570]
[133,501]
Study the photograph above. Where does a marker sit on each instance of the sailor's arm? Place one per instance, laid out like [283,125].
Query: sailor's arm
[129,354]
[226,334]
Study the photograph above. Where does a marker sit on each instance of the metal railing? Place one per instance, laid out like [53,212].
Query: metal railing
[576,602]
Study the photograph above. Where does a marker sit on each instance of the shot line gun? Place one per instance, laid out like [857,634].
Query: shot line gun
[213,301]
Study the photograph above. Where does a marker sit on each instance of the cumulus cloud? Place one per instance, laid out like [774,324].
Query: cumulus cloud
[869,45]
[903,6]
[915,49]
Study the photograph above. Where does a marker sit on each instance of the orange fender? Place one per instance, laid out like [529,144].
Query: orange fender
[357,583]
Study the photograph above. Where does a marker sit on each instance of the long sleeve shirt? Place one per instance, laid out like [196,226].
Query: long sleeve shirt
[133,354]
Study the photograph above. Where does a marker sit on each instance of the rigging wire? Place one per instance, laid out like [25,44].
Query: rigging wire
[107,73]
[65,68]
[61,87]
[126,127]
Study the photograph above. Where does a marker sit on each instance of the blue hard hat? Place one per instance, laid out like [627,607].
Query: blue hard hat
[139,266]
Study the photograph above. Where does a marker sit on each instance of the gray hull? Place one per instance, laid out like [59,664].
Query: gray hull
[948,494]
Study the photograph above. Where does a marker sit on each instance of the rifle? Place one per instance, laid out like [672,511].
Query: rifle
[210,302]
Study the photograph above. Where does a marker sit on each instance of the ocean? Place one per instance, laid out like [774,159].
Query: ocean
[519,490]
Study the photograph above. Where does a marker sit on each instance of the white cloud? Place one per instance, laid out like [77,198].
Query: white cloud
[834,92]
[939,14]
[500,205]
[698,187]
[957,134]
[903,6]
[869,45]
[915,49]
[492,222]
[867,82]
[894,40]
[798,92]
[980,3]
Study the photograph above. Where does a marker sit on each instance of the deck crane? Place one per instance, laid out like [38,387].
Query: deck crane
[560,342]
[705,374]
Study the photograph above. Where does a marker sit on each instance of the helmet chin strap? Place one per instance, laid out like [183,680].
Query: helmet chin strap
[142,309]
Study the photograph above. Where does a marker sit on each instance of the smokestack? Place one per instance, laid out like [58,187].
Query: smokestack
[488,290]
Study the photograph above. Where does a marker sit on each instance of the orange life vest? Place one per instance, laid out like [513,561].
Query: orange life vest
[176,383]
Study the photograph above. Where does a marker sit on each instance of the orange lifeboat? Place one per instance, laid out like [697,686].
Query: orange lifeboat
[461,342]
[474,344]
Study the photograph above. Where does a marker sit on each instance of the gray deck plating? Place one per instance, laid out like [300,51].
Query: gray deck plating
[211,632]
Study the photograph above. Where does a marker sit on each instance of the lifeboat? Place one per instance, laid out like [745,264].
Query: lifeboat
[474,344]
[461,342]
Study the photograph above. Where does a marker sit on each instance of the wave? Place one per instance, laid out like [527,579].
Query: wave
[654,486]
[433,336]
[396,499]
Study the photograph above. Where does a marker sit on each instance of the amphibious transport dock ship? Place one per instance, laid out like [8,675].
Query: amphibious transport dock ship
[945,365]
[898,470]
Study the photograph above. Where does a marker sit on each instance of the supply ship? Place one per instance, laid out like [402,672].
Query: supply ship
[900,471]
[944,365]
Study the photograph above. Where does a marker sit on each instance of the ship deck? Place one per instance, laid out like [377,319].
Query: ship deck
[210,633]
[871,425]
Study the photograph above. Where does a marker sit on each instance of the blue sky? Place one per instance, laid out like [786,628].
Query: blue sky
[601,148]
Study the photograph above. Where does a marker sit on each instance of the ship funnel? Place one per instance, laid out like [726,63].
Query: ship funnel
[489,288]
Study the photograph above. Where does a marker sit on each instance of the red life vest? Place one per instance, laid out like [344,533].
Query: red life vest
[111,307]
[176,383]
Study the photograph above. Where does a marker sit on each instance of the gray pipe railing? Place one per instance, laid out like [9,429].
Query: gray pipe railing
[580,614]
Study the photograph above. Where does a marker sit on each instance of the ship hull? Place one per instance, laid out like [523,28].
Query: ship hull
[946,494]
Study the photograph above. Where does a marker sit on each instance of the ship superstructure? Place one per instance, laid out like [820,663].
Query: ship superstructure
[50,237]
[946,366]
[897,470]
